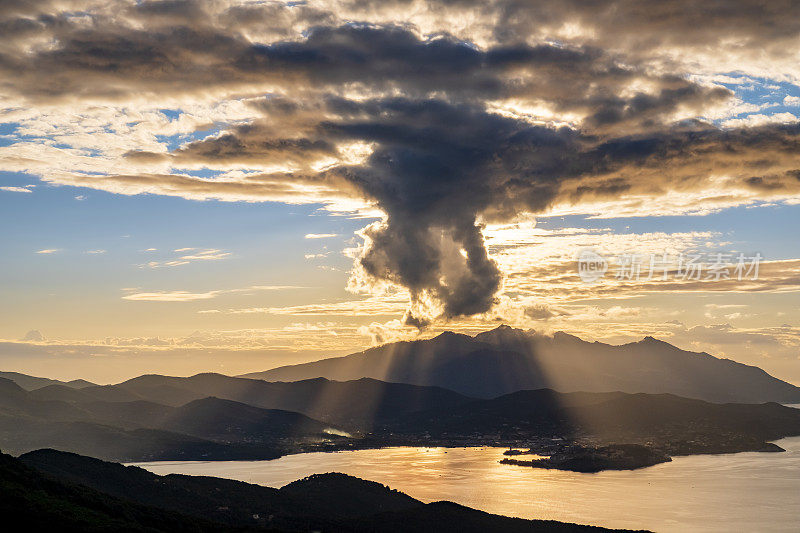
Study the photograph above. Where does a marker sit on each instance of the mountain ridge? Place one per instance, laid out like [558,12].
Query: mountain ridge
[29,382]
[506,359]
[669,423]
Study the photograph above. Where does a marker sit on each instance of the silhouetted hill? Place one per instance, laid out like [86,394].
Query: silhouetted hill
[352,404]
[217,419]
[15,401]
[678,425]
[32,501]
[342,496]
[128,415]
[60,393]
[209,428]
[326,502]
[506,359]
[32,382]
[449,516]
[220,500]
[10,389]
[21,434]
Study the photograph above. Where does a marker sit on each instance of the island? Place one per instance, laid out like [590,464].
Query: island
[594,459]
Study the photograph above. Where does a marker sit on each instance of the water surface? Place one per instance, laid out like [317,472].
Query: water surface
[702,493]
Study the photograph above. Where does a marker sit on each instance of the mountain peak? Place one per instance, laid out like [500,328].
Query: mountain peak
[562,335]
[503,334]
[506,359]
[650,340]
[506,329]
[8,386]
[449,337]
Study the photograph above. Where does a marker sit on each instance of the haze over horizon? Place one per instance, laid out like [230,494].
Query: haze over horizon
[235,186]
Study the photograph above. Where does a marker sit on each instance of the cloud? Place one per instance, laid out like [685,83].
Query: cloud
[95,252]
[543,312]
[48,251]
[33,335]
[170,296]
[15,189]
[761,119]
[371,306]
[444,119]
[185,296]
[543,271]
[320,235]
[205,254]
[438,169]
[306,336]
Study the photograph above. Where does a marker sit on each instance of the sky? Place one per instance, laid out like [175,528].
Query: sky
[231,186]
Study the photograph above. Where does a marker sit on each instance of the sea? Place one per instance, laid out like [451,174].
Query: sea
[700,493]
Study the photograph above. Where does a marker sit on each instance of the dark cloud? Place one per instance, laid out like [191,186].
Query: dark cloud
[108,59]
[453,141]
[646,26]
[736,28]
[437,169]
[250,145]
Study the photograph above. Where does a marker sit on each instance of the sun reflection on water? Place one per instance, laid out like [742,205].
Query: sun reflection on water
[741,492]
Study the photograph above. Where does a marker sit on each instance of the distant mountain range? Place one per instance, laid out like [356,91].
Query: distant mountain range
[506,360]
[140,430]
[356,404]
[678,426]
[216,417]
[139,401]
[498,387]
[32,382]
[208,416]
[47,489]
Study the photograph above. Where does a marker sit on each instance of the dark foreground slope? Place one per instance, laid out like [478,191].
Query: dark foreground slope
[33,501]
[505,360]
[324,502]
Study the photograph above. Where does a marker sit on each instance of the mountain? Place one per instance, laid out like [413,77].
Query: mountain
[205,427]
[329,495]
[219,500]
[20,434]
[33,382]
[356,404]
[147,400]
[229,421]
[16,401]
[35,501]
[505,360]
[209,428]
[324,502]
[667,422]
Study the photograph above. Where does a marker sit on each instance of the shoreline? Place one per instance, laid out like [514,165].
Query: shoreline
[434,446]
